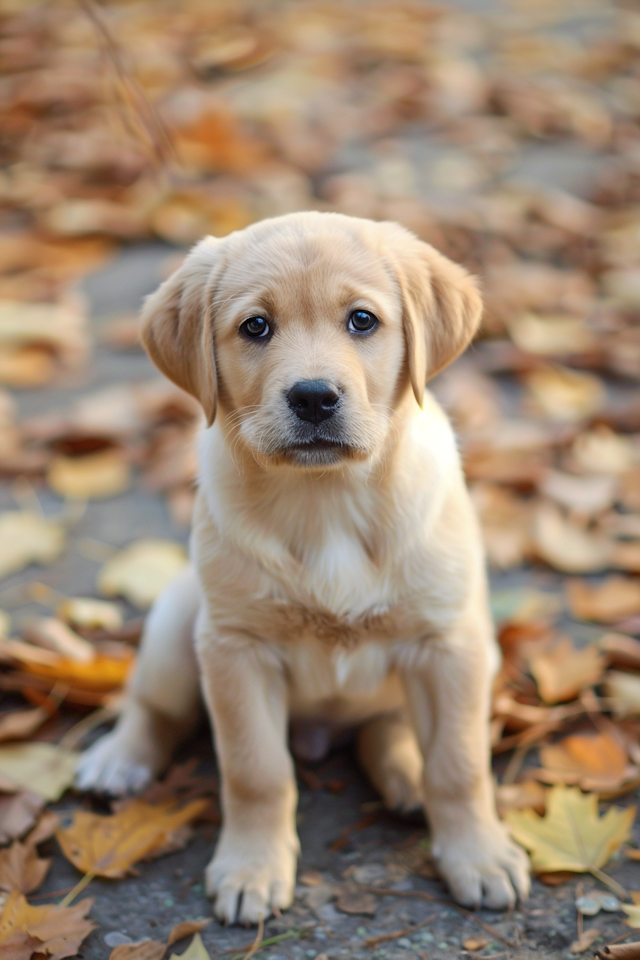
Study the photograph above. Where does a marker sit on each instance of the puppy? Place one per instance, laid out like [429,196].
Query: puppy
[339,572]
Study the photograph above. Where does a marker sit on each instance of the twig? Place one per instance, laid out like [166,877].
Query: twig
[290,934]
[421,895]
[79,730]
[372,942]
[345,835]
[258,940]
[515,763]
[149,119]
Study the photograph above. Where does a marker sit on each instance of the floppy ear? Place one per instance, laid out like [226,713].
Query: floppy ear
[177,327]
[441,309]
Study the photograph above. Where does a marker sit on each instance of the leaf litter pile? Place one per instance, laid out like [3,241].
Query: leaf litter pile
[138,121]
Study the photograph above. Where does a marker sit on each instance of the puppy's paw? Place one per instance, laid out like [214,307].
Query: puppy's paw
[111,766]
[401,791]
[251,878]
[483,867]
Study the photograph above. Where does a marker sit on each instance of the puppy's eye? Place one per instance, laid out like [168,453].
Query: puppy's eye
[256,328]
[361,321]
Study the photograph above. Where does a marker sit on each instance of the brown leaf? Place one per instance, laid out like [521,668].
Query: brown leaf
[607,602]
[147,950]
[568,546]
[585,940]
[563,672]
[54,931]
[357,902]
[109,846]
[475,943]
[21,868]
[596,763]
[620,951]
[186,928]
[528,795]
[18,812]
[22,724]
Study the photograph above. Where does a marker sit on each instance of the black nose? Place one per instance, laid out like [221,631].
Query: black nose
[313,400]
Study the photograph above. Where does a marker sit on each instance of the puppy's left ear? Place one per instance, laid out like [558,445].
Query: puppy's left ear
[441,309]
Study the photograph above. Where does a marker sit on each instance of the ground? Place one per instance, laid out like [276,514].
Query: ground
[345,835]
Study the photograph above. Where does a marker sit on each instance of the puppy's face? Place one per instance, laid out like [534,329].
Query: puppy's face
[309,347]
[305,331]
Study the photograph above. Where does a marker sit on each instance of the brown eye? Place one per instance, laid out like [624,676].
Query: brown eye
[361,321]
[255,328]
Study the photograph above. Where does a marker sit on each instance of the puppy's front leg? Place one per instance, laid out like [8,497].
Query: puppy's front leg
[449,693]
[253,870]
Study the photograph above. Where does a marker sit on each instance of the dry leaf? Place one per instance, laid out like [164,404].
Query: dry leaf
[564,671]
[195,951]
[602,451]
[624,690]
[27,538]
[146,950]
[54,635]
[21,868]
[566,545]
[186,928]
[142,570]
[528,795]
[357,902]
[18,812]
[633,915]
[621,651]
[103,675]
[611,600]
[571,836]
[53,931]
[566,395]
[550,334]
[585,940]
[94,476]
[595,763]
[109,846]
[89,614]
[21,724]
[475,943]
[41,768]
[588,495]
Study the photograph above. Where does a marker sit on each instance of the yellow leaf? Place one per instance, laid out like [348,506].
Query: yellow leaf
[93,476]
[564,394]
[571,836]
[109,846]
[87,613]
[633,914]
[624,690]
[26,538]
[50,930]
[569,546]
[142,570]
[195,951]
[42,768]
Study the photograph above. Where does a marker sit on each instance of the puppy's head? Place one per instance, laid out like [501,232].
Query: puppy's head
[305,332]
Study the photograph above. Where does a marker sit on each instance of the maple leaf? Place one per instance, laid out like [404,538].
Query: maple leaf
[571,836]
[195,951]
[153,949]
[109,846]
[54,931]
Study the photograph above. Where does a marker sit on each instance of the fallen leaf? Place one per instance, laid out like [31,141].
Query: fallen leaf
[585,940]
[633,915]
[571,835]
[567,545]
[94,476]
[195,951]
[21,868]
[596,763]
[588,495]
[89,614]
[51,930]
[109,846]
[624,691]
[186,928]
[564,394]
[53,634]
[601,450]
[550,334]
[357,902]
[142,570]
[528,795]
[22,724]
[18,812]
[103,675]
[475,943]
[27,538]
[146,950]
[564,671]
[41,768]
[613,599]
[619,951]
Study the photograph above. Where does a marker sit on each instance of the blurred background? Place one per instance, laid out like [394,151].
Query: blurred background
[504,132]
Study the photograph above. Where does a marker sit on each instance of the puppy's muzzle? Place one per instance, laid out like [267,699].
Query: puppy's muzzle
[313,400]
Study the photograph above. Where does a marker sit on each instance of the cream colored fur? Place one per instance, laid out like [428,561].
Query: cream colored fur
[340,585]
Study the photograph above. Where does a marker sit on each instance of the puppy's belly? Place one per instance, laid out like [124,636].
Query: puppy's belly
[341,686]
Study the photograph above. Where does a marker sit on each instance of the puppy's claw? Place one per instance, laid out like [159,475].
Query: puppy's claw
[247,890]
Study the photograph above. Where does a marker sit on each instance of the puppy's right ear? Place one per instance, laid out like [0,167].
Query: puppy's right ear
[177,329]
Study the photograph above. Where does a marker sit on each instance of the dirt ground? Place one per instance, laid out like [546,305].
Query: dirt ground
[346,836]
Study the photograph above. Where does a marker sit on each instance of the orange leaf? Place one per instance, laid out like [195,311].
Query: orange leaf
[595,763]
[109,846]
[561,673]
[54,931]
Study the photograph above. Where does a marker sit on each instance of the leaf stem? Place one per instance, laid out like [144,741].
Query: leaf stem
[79,887]
[609,882]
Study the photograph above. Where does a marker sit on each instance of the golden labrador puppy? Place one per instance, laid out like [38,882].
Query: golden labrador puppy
[340,571]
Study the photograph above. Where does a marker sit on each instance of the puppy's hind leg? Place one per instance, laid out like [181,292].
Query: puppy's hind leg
[389,753]
[161,706]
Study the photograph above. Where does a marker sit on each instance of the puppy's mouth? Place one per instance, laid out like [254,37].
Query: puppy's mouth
[317,450]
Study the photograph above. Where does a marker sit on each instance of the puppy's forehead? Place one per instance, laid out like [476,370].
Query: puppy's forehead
[305,266]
